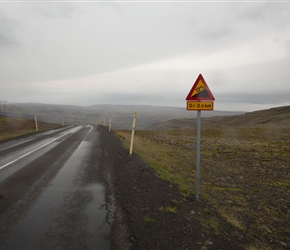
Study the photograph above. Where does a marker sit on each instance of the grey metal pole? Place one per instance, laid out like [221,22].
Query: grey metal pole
[197,173]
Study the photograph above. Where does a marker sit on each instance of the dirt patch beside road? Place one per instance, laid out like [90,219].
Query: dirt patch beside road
[151,213]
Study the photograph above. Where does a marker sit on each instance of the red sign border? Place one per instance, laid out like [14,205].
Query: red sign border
[190,98]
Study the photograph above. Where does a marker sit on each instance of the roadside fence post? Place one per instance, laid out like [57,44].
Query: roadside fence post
[133,131]
[36,125]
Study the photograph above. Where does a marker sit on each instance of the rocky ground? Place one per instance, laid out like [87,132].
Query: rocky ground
[151,213]
[244,176]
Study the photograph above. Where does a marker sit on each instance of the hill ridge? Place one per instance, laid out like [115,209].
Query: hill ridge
[278,116]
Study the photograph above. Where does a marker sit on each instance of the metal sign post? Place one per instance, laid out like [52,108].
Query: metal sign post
[197,173]
[198,99]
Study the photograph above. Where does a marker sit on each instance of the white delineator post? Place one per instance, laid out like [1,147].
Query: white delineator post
[133,131]
[36,125]
[110,124]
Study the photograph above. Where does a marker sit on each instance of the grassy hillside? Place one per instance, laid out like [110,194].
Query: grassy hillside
[270,117]
[14,126]
[245,170]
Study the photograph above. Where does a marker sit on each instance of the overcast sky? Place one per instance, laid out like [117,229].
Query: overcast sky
[145,52]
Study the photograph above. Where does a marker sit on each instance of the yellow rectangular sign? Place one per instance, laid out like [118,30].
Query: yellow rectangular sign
[194,105]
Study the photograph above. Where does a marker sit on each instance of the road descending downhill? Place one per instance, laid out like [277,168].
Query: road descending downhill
[51,193]
[78,188]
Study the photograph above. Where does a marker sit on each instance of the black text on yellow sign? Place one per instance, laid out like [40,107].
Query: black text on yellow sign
[199,105]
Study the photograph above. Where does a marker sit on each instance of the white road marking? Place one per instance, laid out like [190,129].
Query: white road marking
[19,158]
[91,129]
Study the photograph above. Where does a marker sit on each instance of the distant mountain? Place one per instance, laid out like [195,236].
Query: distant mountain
[269,117]
[121,115]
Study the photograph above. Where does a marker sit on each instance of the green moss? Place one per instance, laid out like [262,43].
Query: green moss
[231,189]
[148,219]
[231,219]
[168,209]
[209,222]
[175,202]
[184,190]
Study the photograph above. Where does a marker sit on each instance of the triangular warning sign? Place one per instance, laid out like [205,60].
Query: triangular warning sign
[199,91]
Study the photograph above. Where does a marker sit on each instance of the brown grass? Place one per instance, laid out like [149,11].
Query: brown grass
[11,127]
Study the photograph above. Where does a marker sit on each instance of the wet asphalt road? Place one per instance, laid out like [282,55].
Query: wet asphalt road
[51,192]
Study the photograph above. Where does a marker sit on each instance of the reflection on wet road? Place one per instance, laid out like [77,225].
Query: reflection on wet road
[67,207]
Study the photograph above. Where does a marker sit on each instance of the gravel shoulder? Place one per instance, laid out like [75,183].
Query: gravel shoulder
[152,214]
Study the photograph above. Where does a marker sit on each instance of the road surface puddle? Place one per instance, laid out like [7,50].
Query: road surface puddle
[99,212]
[71,213]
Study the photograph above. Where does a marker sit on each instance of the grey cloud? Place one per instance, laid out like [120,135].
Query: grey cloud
[255,98]
[54,10]
[287,45]
[102,39]
[218,33]
[266,12]
[72,40]
[7,31]
[254,12]
[4,40]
